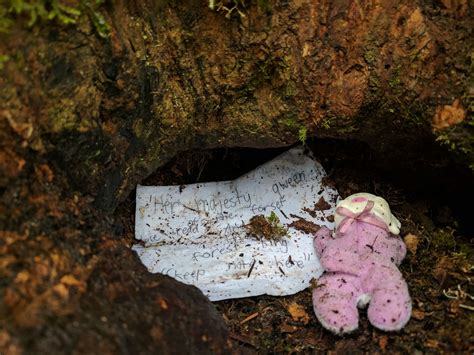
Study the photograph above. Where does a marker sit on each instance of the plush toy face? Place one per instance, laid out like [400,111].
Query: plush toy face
[356,203]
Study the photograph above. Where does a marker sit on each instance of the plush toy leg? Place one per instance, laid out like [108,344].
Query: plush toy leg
[335,302]
[390,305]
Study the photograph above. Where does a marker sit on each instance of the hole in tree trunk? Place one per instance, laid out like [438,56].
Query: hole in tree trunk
[428,200]
[435,194]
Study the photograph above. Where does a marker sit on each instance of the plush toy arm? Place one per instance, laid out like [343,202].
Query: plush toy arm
[321,239]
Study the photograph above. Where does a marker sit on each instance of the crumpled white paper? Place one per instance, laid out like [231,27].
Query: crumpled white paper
[195,233]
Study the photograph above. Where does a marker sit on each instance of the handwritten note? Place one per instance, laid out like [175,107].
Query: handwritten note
[196,233]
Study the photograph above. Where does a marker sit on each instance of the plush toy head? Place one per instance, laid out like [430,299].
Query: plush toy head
[357,203]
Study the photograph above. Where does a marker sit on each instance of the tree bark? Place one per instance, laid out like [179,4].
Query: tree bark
[180,77]
[83,120]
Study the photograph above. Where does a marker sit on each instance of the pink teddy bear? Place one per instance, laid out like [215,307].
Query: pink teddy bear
[361,267]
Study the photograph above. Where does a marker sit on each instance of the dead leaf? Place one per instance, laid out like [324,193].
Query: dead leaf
[10,163]
[383,341]
[22,276]
[8,345]
[61,290]
[24,130]
[322,205]
[286,328]
[466,267]
[44,173]
[432,343]
[163,304]
[41,266]
[453,307]
[9,238]
[70,280]
[298,313]
[418,314]
[4,338]
[411,242]
[6,261]
[11,298]
[448,115]
[304,225]
[440,271]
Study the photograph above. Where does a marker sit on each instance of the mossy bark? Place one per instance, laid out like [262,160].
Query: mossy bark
[179,76]
[84,119]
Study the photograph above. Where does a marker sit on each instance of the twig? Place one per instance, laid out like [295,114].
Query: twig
[250,317]
[241,339]
[465,306]
[251,268]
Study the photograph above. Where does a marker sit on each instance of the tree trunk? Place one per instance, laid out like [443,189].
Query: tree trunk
[84,119]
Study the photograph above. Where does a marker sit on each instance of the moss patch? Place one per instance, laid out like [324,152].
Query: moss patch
[42,11]
[459,138]
[266,227]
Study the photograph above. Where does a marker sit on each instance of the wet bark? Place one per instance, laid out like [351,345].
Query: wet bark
[178,77]
[84,119]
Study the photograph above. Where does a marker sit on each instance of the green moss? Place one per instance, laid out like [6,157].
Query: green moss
[266,227]
[414,113]
[5,20]
[92,8]
[339,125]
[61,116]
[444,239]
[264,5]
[348,128]
[3,60]
[328,122]
[289,121]
[459,138]
[290,89]
[42,11]
[395,80]
[302,135]
[370,57]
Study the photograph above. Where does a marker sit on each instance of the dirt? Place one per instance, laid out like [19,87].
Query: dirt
[438,268]
[268,228]
[303,225]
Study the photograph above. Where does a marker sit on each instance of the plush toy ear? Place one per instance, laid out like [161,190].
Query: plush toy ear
[394,225]
[359,199]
